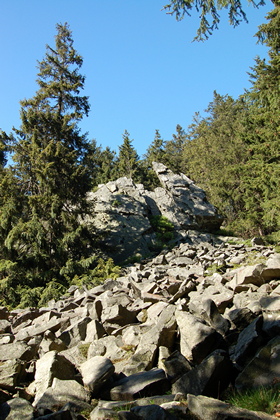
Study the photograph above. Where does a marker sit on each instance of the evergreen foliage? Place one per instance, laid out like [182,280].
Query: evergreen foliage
[154,153]
[128,160]
[215,152]
[262,134]
[209,13]
[174,151]
[44,193]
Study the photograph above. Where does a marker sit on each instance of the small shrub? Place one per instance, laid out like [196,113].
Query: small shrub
[116,203]
[163,227]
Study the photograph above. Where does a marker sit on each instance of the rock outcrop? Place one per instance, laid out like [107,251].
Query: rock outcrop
[165,339]
[122,212]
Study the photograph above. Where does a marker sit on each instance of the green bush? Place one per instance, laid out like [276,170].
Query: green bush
[103,270]
[163,228]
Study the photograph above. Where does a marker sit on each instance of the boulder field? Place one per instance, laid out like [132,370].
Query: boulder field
[163,341]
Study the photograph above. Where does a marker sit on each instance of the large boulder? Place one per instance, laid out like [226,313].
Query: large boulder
[122,210]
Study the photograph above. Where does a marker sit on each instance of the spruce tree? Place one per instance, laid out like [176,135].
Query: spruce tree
[215,152]
[128,159]
[47,243]
[262,172]
[174,150]
[155,152]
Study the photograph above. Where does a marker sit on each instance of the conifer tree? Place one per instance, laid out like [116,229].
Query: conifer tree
[174,150]
[209,16]
[262,172]
[215,151]
[155,152]
[105,166]
[47,242]
[128,159]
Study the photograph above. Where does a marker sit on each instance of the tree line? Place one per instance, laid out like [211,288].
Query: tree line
[46,243]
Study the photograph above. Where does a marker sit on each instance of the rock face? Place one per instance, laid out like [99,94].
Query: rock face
[122,211]
[140,346]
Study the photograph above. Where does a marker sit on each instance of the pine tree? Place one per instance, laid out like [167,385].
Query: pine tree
[174,150]
[128,159]
[209,17]
[214,154]
[155,152]
[106,170]
[262,180]
[47,241]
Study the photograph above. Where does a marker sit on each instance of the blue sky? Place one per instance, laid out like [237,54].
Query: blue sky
[143,72]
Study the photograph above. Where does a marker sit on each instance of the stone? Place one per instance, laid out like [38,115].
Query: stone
[214,318]
[121,212]
[62,392]
[11,372]
[16,409]
[17,350]
[95,330]
[211,409]
[176,365]
[75,333]
[51,342]
[264,369]
[25,334]
[211,377]
[151,412]
[272,268]
[249,274]
[58,415]
[96,372]
[5,326]
[248,341]
[48,367]
[197,340]
[142,384]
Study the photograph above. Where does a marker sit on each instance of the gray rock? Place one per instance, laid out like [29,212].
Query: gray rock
[25,334]
[96,372]
[209,378]
[5,326]
[197,340]
[142,384]
[151,412]
[50,366]
[211,409]
[75,333]
[121,210]
[58,415]
[16,409]
[11,372]
[214,318]
[95,330]
[176,365]
[264,368]
[248,341]
[62,392]
[249,275]
[272,268]
[50,342]
[17,350]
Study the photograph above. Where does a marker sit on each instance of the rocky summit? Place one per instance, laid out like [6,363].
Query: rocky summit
[163,341]
[122,212]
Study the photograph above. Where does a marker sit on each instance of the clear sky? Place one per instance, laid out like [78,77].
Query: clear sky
[143,72]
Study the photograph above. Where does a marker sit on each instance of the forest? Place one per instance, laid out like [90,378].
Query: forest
[232,152]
